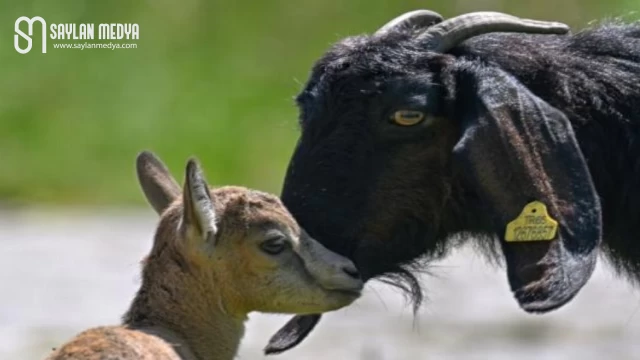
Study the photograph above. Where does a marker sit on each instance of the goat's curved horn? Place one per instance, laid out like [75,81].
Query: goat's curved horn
[416,18]
[447,34]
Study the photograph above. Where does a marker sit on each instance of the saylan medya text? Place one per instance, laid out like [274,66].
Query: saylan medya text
[87,31]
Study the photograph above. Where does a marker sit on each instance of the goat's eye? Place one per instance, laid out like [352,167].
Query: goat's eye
[274,246]
[408,117]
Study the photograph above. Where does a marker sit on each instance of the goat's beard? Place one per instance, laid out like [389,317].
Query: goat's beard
[415,245]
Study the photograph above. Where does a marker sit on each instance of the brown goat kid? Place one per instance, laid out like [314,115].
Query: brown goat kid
[218,254]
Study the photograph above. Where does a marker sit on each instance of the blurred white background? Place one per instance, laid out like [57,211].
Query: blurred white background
[62,272]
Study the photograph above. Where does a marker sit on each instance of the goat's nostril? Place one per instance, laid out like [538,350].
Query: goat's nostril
[351,271]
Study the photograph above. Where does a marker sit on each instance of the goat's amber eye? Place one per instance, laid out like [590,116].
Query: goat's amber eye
[274,246]
[408,117]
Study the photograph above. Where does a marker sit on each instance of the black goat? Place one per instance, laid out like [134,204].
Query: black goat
[431,128]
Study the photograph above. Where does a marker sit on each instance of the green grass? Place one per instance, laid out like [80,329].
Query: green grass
[211,79]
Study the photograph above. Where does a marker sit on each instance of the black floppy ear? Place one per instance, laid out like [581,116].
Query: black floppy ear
[292,333]
[521,157]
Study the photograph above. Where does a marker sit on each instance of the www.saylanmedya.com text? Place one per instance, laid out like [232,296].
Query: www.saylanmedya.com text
[86,31]
[86,45]
[67,35]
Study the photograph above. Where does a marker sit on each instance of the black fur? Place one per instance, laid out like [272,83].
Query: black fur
[593,77]
[361,186]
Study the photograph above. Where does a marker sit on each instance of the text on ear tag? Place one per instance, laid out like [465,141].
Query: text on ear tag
[533,224]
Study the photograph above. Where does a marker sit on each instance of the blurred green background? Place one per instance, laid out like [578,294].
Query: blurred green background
[213,79]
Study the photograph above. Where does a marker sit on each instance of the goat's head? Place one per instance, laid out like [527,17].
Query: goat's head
[243,245]
[404,145]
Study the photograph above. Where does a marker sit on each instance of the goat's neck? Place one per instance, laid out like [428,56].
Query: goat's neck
[216,338]
[185,315]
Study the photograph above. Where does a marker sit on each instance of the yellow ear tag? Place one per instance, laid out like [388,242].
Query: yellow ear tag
[533,224]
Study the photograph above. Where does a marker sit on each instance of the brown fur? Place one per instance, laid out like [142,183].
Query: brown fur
[119,343]
[201,278]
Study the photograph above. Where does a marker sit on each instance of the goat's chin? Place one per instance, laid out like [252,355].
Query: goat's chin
[346,296]
[399,266]
[327,300]
[335,299]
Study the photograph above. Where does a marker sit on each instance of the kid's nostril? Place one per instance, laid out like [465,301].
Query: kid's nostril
[351,271]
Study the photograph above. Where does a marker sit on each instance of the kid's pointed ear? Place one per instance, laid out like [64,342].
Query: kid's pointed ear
[156,181]
[199,213]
